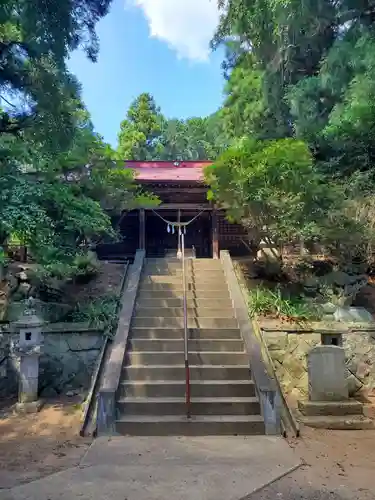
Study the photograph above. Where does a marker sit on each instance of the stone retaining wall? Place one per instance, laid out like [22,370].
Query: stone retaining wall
[68,359]
[288,351]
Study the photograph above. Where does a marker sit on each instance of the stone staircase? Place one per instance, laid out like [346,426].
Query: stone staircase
[151,394]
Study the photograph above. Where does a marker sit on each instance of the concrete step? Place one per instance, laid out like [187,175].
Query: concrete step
[210,263]
[176,358]
[178,312]
[146,293]
[177,272]
[205,425]
[177,287]
[177,345]
[346,422]
[191,303]
[198,406]
[178,333]
[177,372]
[334,408]
[176,388]
[200,279]
[179,322]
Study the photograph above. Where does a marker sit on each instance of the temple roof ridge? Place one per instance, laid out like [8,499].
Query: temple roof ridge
[162,170]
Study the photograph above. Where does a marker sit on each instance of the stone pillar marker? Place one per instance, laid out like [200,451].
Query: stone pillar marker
[27,345]
[327,374]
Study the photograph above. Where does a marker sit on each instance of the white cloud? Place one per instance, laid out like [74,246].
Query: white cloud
[186,25]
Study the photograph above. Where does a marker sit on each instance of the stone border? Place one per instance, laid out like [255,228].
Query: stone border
[265,384]
[106,416]
[95,381]
[321,327]
[287,418]
[64,328]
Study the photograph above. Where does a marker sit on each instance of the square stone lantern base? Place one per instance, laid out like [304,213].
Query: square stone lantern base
[31,407]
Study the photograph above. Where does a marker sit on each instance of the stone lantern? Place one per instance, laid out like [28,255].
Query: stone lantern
[27,346]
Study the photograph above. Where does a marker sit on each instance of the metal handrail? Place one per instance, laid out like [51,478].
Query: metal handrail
[186,340]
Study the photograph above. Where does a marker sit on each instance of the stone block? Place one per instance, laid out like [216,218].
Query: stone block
[276,341]
[293,342]
[311,340]
[327,374]
[302,385]
[295,366]
[29,407]
[286,380]
[337,408]
[353,315]
[278,356]
[84,342]
[363,370]
[354,384]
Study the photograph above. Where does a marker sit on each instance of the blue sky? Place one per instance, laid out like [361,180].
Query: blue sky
[156,46]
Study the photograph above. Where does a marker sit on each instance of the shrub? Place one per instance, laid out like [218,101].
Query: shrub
[97,312]
[265,302]
[272,188]
[84,267]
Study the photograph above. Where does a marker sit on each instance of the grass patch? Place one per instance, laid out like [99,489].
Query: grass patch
[265,302]
[100,311]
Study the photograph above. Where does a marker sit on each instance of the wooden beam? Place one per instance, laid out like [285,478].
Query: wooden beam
[182,190]
[142,229]
[182,206]
[215,235]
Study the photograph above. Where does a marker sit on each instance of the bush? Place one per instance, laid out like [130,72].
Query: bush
[85,267]
[272,188]
[48,280]
[97,312]
[265,302]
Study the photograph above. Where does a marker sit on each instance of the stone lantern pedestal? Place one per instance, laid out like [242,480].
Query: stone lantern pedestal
[27,346]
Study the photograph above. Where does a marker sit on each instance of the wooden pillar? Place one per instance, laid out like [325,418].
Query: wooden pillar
[215,234]
[142,229]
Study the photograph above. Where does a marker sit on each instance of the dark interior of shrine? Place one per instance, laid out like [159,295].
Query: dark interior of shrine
[208,233]
[198,233]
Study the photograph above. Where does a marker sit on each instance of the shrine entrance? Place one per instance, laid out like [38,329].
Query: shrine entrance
[198,237]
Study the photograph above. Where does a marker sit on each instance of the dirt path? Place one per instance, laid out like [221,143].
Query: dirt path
[340,465]
[36,445]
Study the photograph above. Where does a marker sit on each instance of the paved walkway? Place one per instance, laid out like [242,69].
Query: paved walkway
[139,468]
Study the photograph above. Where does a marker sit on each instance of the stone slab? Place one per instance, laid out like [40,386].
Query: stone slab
[327,374]
[119,468]
[333,408]
[340,423]
[29,407]
[353,315]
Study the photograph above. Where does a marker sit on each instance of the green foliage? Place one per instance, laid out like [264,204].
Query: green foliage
[85,267]
[191,139]
[244,112]
[35,40]
[138,137]
[58,179]
[57,203]
[147,135]
[49,278]
[98,312]
[266,302]
[272,188]
[3,257]
[309,74]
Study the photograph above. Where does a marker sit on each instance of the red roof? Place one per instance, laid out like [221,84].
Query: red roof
[168,170]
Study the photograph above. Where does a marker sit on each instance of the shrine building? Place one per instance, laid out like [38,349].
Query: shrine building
[180,187]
